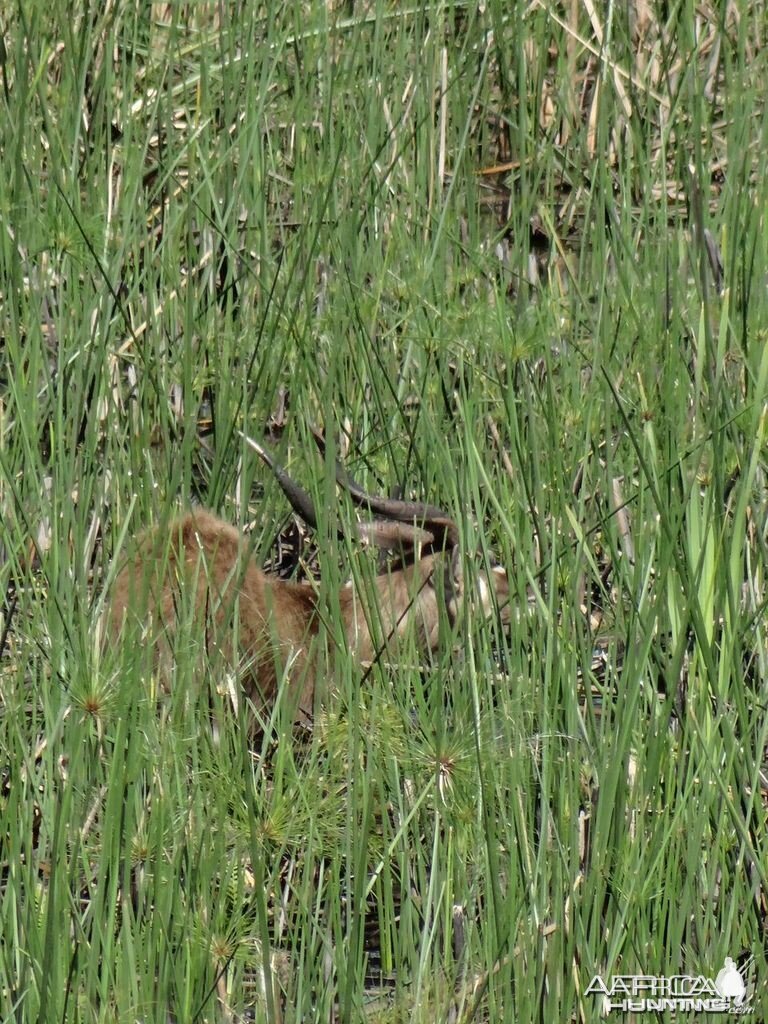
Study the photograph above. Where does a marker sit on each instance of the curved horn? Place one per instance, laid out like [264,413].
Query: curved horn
[385,535]
[300,501]
[415,524]
[423,517]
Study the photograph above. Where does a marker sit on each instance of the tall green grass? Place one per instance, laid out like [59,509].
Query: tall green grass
[471,240]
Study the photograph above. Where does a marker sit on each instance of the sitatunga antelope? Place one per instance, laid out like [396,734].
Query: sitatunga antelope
[199,570]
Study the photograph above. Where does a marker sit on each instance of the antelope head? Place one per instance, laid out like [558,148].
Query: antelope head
[429,582]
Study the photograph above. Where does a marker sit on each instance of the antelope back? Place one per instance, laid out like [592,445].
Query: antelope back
[199,573]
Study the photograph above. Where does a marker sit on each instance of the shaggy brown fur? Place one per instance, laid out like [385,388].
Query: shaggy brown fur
[202,569]
[200,572]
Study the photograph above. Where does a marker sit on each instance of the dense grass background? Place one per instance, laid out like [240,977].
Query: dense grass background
[514,258]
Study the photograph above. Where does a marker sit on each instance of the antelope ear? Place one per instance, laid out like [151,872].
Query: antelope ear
[499,581]
[456,569]
[453,584]
[390,536]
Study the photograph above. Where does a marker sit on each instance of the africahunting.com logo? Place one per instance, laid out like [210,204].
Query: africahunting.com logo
[693,993]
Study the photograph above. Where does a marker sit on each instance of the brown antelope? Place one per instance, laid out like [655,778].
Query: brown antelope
[203,564]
